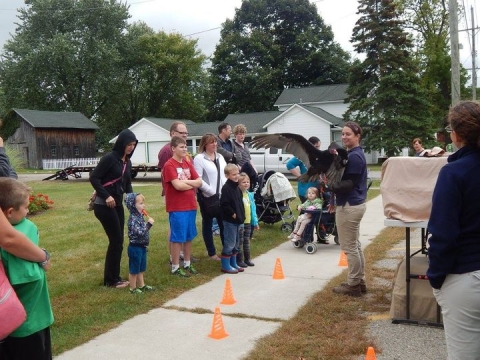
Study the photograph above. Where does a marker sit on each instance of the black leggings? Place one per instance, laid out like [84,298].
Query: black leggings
[113,222]
[207,222]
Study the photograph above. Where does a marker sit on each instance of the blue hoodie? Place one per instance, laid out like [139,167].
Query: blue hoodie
[138,228]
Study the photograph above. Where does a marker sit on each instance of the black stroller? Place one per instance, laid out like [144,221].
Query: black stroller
[273,198]
[322,224]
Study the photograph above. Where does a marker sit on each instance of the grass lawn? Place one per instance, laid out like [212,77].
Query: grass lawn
[83,308]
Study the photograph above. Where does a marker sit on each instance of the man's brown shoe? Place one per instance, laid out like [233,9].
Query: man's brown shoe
[363,287]
[348,290]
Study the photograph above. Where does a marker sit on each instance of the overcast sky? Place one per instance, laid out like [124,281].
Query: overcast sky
[198,17]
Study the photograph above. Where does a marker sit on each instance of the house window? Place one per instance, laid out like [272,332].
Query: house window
[53,151]
[76,150]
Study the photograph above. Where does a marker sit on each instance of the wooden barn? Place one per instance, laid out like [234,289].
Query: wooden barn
[42,135]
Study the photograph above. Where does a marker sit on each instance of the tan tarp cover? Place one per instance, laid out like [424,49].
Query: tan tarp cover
[407,186]
[423,306]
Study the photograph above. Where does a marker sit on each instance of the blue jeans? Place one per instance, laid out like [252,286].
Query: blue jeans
[230,238]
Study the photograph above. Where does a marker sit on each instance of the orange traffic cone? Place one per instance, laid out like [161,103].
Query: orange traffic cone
[278,271]
[228,298]
[343,260]
[370,354]
[218,331]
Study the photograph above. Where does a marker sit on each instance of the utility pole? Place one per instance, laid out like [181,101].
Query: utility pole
[454,51]
[474,70]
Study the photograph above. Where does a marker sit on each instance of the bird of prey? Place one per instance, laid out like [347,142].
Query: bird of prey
[330,162]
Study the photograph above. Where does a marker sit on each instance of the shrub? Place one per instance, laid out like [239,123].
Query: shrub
[39,202]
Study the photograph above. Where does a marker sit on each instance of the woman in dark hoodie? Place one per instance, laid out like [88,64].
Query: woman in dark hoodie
[111,178]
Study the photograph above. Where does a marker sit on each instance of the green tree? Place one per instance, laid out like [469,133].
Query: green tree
[271,45]
[385,94]
[428,21]
[162,75]
[64,55]
[83,56]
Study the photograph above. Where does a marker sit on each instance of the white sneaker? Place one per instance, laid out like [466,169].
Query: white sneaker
[296,238]
[291,236]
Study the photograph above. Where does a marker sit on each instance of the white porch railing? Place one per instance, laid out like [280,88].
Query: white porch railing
[54,164]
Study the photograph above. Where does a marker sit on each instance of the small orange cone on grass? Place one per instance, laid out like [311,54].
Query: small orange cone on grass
[228,298]
[343,260]
[370,354]
[218,331]
[278,271]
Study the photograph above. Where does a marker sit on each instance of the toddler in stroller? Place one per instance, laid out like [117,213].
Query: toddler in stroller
[314,203]
[322,223]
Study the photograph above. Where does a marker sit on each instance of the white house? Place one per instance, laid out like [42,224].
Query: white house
[152,134]
[311,111]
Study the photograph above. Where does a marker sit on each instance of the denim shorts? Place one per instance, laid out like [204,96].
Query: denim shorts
[137,259]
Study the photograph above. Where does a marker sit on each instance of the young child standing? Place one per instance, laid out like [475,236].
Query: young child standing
[139,239]
[251,220]
[233,211]
[32,339]
[180,180]
[313,202]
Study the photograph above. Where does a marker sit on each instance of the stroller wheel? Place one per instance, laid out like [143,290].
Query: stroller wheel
[311,248]
[299,244]
[287,228]
[336,240]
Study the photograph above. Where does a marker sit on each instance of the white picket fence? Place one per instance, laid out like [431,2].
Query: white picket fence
[55,164]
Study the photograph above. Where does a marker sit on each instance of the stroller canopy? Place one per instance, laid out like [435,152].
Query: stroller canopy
[278,187]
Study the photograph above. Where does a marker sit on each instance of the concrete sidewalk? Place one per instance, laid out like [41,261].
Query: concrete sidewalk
[181,326]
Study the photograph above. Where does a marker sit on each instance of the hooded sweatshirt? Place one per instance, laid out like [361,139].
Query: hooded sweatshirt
[110,168]
[138,229]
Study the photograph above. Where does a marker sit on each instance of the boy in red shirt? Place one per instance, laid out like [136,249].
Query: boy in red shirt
[181,179]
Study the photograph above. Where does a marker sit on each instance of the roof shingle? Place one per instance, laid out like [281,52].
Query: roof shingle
[56,119]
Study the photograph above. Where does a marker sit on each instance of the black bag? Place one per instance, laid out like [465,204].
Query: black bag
[211,205]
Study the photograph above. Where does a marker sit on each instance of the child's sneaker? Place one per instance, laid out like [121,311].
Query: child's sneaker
[296,238]
[191,269]
[136,291]
[180,272]
[145,288]
[291,236]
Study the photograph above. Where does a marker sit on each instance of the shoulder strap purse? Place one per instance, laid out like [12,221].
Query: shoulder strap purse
[12,311]
[94,194]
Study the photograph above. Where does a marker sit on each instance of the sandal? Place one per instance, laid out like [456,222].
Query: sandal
[215,257]
[119,284]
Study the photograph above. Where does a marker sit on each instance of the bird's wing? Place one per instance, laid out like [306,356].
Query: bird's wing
[335,172]
[292,143]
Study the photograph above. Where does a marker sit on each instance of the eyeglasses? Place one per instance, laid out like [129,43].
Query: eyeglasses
[181,132]
[448,129]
